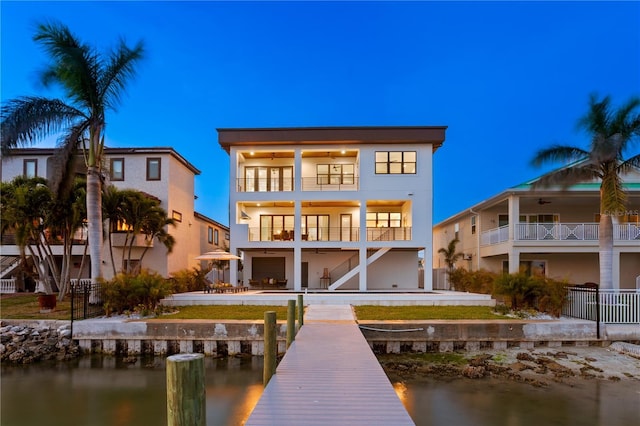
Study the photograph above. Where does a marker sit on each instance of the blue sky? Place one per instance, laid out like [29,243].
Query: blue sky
[507,78]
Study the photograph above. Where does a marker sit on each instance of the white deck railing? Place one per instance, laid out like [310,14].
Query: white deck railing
[558,232]
[616,306]
[7,285]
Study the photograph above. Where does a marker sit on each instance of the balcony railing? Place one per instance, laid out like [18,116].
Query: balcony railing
[558,232]
[321,183]
[265,185]
[330,234]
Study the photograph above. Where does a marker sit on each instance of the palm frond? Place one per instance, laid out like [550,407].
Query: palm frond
[612,195]
[75,66]
[120,68]
[598,117]
[558,153]
[28,119]
[629,165]
[567,176]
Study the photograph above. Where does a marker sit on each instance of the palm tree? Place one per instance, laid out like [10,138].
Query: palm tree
[93,84]
[613,133]
[450,254]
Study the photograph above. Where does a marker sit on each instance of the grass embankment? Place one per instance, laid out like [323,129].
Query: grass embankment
[25,306]
[409,313]
[225,312]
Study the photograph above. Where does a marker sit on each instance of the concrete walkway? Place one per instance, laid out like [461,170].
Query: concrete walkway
[329,375]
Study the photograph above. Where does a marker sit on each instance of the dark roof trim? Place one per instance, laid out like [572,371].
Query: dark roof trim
[115,151]
[208,219]
[434,135]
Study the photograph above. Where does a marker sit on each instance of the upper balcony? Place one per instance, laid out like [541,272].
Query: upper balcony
[557,232]
[267,171]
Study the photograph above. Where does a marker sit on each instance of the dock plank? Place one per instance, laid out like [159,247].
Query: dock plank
[329,375]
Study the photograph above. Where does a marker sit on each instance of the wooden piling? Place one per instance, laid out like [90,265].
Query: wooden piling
[300,311]
[291,322]
[270,346]
[186,404]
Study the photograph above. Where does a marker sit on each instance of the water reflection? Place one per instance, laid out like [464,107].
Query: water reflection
[106,391]
[466,402]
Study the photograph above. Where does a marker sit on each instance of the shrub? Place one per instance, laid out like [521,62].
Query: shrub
[188,280]
[140,292]
[474,281]
[553,297]
[520,288]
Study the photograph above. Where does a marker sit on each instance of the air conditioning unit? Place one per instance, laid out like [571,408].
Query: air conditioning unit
[466,256]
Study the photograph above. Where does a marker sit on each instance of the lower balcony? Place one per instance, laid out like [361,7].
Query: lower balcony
[121,239]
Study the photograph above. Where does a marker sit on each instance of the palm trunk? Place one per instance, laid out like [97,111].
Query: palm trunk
[94,217]
[605,229]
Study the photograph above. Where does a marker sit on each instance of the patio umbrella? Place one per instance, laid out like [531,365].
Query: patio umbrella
[217,254]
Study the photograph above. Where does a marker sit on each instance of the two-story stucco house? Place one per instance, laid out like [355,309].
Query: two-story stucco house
[159,172]
[335,208]
[553,232]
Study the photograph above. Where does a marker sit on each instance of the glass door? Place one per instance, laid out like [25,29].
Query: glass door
[345,227]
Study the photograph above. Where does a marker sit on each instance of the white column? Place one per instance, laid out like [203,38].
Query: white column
[514,261]
[362,267]
[514,216]
[615,269]
[297,267]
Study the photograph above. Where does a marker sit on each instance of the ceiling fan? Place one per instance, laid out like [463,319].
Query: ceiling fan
[541,201]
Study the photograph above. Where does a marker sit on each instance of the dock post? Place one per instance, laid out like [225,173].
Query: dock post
[270,346]
[186,402]
[291,322]
[300,311]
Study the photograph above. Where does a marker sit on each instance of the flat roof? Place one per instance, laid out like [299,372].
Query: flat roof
[255,137]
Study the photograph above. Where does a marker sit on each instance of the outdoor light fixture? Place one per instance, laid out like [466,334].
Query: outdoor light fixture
[244,215]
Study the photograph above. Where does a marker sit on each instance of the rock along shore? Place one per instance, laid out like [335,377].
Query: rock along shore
[37,341]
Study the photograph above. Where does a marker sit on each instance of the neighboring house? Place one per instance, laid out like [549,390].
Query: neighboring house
[552,232]
[159,172]
[345,208]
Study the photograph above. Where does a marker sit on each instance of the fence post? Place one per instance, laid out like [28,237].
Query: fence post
[300,311]
[270,346]
[598,311]
[291,322]
[186,402]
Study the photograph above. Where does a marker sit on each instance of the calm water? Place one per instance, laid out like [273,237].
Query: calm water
[103,391]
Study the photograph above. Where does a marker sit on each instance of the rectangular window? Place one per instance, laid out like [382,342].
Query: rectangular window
[276,227]
[153,169]
[456,231]
[335,174]
[396,162]
[315,227]
[210,235]
[268,179]
[116,171]
[227,236]
[30,168]
[216,237]
[473,224]
[384,219]
[177,216]
[536,268]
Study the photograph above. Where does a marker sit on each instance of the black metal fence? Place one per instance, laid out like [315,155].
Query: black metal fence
[583,301]
[86,300]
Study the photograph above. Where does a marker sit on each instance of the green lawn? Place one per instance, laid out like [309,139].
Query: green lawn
[25,306]
[408,313]
[226,312]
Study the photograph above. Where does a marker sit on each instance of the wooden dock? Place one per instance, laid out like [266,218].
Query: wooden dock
[329,375]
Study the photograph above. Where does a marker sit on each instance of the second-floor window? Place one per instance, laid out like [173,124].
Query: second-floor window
[153,169]
[116,171]
[395,162]
[30,168]
[384,219]
[335,174]
[268,179]
[216,238]
[210,235]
